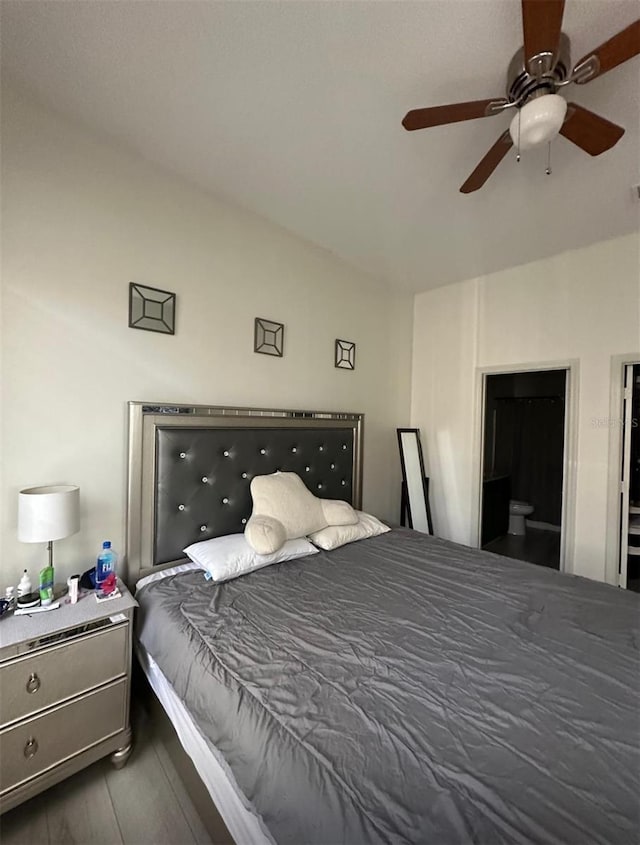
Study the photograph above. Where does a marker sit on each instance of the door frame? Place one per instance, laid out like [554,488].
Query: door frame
[569,475]
[616,434]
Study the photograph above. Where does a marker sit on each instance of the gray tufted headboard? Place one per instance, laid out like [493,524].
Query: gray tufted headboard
[190,468]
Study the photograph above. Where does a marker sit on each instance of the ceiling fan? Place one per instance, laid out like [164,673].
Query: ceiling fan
[536,72]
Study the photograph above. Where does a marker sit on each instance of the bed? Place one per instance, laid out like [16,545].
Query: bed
[397,689]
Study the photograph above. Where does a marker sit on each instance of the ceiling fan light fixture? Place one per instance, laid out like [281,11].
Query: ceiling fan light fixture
[538,121]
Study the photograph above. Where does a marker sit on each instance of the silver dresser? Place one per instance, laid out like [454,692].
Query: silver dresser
[65,679]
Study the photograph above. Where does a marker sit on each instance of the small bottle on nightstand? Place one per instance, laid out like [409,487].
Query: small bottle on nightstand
[24,586]
[106,563]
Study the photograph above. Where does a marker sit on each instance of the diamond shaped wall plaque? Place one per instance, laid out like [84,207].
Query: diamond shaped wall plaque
[268,337]
[345,355]
[151,309]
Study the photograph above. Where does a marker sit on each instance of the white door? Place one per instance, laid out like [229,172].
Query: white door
[625,475]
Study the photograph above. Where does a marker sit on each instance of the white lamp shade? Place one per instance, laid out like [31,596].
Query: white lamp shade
[539,121]
[48,513]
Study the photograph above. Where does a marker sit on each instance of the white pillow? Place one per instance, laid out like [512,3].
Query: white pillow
[339,535]
[283,508]
[228,557]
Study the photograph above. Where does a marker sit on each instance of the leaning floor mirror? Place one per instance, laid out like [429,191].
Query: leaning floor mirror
[414,501]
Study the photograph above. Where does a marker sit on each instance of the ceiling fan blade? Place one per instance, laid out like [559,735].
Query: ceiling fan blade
[541,23]
[439,115]
[589,131]
[488,164]
[622,47]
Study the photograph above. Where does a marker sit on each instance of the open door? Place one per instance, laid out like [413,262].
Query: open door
[629,482]
[524,457]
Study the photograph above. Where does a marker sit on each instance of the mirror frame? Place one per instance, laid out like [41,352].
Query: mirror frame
[406,499]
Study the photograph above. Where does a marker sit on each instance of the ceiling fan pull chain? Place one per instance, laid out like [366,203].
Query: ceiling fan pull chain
[548,170]
[518,147]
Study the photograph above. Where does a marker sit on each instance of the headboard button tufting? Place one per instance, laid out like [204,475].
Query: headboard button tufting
[222,461]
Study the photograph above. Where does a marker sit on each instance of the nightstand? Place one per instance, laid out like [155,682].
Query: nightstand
[65,679]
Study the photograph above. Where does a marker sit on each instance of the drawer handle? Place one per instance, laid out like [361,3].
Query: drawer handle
[33,684]
[30,748]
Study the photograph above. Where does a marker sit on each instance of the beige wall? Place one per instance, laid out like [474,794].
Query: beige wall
[81,219]
[582,305]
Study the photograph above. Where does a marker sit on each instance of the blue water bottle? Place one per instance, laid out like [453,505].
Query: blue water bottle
[106,563]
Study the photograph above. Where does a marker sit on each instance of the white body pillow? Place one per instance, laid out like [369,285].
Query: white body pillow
[339,535]
[228,557]
[283,509]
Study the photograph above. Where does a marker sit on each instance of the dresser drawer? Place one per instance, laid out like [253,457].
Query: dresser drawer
[30,748]
[31,683]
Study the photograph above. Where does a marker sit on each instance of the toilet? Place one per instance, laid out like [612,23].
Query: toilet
[517,513]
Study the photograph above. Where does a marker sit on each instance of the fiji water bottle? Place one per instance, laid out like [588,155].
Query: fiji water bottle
[106,564]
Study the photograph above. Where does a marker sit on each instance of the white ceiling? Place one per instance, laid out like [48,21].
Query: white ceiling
[293,109]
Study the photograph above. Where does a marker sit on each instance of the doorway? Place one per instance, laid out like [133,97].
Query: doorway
[629,557]
[524,435]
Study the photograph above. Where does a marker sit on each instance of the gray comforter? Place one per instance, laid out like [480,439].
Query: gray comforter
[406,689]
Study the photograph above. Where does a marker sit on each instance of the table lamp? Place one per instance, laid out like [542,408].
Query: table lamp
[49,513]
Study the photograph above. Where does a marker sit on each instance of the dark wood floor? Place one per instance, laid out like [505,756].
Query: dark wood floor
[145,803]
[537,546]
